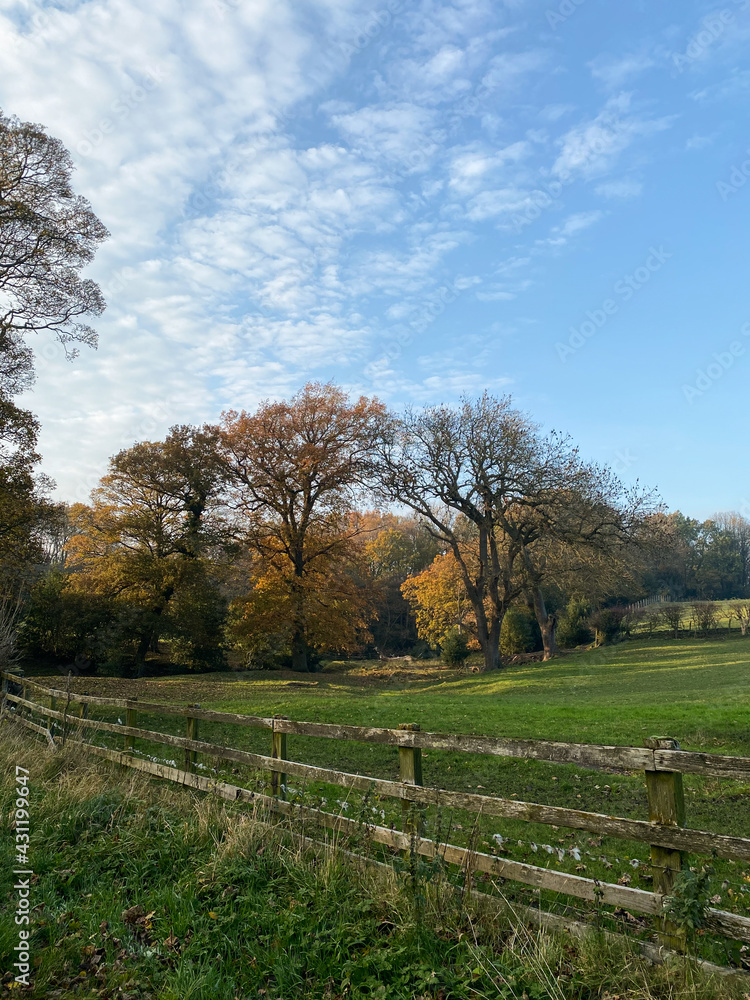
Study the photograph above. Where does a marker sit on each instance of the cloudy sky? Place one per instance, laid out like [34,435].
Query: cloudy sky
[415,198]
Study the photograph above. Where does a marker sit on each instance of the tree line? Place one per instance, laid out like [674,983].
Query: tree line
[319,525]
[329,526]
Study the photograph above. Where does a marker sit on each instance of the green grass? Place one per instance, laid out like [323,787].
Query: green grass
[693,689]
[145,891]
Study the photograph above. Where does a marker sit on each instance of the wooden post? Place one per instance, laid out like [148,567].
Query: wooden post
[131,719]
[410,773]
[666,805]
[191,732]
[4,701]
[83,708]
[52,723]
[278,752]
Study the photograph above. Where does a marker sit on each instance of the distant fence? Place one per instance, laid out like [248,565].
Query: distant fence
[646,601]
[661,761]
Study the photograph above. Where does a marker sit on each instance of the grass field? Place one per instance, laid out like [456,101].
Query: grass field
[145,891]
[696,690]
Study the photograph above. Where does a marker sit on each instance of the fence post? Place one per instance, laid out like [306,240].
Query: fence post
[410,773]
[666,805]
[191,732]
[278,752]
[83,708]
[131,720]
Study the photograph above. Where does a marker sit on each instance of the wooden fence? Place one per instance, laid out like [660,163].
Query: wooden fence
[661,760]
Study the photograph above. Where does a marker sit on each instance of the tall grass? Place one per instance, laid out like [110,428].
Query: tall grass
[145,890]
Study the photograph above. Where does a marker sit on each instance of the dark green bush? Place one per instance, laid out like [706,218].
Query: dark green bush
[454,649]
[520,632]
[573,628]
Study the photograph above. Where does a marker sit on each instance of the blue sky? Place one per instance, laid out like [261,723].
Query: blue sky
[415,199]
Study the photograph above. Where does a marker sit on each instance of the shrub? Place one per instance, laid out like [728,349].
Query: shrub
[742,610]
[519,633]
[65,624]
[454,649]
[671,615]
[573,629]
[706,615]
[607,624]
[632,618]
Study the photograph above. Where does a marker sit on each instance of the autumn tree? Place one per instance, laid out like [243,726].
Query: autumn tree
[26,512]
[439,601]
[472,465]
[154,518]
[396,547]
[337,608]
[295,470]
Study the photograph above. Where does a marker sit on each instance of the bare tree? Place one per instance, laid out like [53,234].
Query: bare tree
[742,611]
[486,465]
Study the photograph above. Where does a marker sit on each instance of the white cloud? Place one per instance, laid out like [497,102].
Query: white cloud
[624,188]
[560,235]
[616,72]
[473,167]
[509,68]
[403,133]
[593,147]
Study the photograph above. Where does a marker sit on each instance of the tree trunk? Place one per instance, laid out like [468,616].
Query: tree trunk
[143,648]
[547,624]
[151,634]
[299,649]
[491,651]
[488,633]
[299,638]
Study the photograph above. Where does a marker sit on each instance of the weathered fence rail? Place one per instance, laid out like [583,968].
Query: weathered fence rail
[662,762]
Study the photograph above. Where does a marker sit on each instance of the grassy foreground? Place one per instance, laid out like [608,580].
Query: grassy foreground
[142,890]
